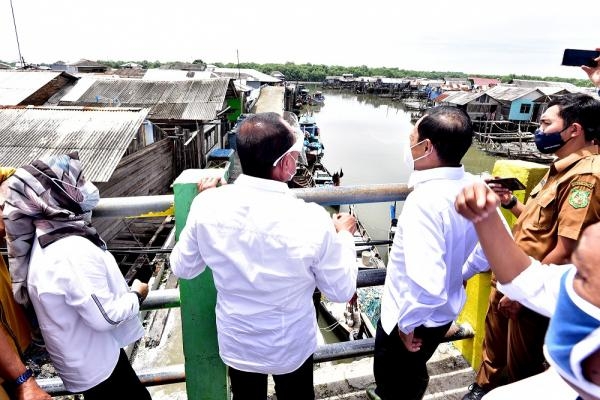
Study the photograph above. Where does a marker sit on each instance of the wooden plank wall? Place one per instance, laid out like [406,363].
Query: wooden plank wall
[147,172]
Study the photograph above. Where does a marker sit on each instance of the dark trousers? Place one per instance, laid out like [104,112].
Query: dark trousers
[512,349]
[399,373]
[297,385]
[123,383]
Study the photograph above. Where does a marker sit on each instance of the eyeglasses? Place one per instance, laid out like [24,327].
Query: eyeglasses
[297,146]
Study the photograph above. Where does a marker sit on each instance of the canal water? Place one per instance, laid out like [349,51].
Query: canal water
[364,135]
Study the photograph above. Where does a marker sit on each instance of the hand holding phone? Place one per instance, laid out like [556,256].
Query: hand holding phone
[593,72]
[511,184]
[577,58]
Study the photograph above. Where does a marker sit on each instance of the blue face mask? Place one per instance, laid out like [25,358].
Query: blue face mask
[573,335]
[548,142]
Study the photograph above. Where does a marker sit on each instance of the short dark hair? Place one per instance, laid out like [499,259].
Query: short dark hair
[261,139]
[582,109]
[450,131]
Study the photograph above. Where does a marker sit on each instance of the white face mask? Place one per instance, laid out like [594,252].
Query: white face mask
[86,195]
[291,174]
[91,196]
[408,157]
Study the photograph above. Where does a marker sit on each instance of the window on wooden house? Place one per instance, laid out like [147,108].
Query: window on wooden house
[525,108]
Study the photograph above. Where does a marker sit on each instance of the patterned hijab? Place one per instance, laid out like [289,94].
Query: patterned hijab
[48,199]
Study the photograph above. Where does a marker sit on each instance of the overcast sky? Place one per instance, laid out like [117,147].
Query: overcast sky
[475,37]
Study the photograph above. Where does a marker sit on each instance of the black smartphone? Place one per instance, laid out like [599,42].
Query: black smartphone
[511,184]
[577,58]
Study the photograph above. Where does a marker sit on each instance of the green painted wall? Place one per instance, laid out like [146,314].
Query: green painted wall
[236,109]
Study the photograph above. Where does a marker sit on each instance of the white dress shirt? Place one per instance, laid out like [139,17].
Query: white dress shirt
[267,251]
[84,307]
[537,287]
[426,268]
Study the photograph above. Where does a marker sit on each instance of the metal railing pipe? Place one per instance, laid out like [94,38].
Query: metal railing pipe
[341,350]
[327,195]
[376,193]
[371,277]
[132,206]
[166,375]
[150,377]
[169,298]
[163,298]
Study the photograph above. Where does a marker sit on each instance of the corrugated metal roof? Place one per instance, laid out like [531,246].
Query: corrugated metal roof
[462,98]
[191,99]
[509,93]
[88,63]
[156,74]
[484,81]
[393,80]
[240,87]
[101,136]
[534,84]
[246,73]
[552,90]
[16,86]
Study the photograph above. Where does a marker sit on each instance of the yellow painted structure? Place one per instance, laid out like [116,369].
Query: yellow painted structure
[478,287]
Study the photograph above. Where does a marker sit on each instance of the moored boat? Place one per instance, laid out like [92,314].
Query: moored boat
[346,320]
[356,319]
[312,138]
[317,99]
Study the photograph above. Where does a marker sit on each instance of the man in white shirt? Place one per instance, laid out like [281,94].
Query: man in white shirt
[267,250]
[569,294]
[423,290]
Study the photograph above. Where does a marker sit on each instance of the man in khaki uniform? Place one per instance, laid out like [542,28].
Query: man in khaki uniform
[565,202]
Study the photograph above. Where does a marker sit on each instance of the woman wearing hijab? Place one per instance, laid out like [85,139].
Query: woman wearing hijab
[16,379]
[60,266]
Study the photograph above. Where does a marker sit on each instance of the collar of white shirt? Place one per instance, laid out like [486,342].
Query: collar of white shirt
[262,184]
[453,173]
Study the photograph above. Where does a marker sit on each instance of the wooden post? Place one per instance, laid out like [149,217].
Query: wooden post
[206,375]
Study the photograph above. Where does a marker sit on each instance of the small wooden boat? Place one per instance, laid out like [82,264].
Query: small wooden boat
[346,320]
[317,99]
[356,318]
[302,179]
[312,139]
[415,105]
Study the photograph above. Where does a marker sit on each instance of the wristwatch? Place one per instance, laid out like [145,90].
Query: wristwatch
[513,202]
[21,379]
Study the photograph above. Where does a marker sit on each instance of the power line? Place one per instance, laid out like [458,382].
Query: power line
[17,35]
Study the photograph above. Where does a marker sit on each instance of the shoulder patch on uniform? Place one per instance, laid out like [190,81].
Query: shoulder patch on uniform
[582,183]
[579,197]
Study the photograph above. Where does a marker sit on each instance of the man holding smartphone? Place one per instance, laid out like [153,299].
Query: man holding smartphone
[560,207]
[594,72]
